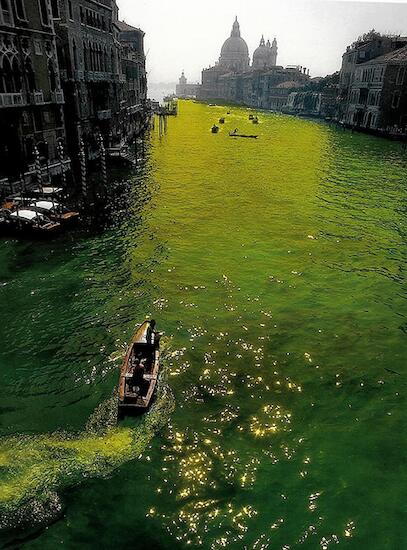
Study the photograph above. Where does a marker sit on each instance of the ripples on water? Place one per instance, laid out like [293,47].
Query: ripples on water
[276,268]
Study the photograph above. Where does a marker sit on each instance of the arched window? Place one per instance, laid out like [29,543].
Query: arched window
[6,16]
[20,9]
[85,56]
[75,55]
[52,76]
[30,75]
[105,67]
[16,75]
[55,9]
[10,76]
[44,12]
[111,61]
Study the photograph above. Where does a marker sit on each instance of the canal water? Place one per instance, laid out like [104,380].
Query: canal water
[276,268]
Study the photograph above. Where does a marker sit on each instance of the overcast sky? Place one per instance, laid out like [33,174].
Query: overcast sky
[182,34]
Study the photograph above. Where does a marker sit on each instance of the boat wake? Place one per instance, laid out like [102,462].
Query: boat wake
[34,470]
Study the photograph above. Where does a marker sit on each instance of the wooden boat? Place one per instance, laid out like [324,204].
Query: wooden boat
[222,121]
[137,383]
[215,129]
[27,220]
[233,134]
[55,211]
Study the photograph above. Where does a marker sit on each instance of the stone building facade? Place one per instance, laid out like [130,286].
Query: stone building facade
[31,99]
[69,70]
[377,97]
[103,72]
[372,71]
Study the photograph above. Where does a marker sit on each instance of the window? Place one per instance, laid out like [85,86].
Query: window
[52,76]
[55,9]
[70,10]
[30,75]
[44,12]
[6,16]
[396,100]
[20,10]
[400,75]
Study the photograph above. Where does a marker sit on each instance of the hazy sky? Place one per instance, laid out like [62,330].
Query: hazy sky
[182,34]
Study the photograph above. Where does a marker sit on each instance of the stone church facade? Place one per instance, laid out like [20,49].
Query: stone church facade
[262,84]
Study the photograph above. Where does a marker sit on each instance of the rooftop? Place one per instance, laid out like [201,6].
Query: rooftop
[125,27]
[396,56]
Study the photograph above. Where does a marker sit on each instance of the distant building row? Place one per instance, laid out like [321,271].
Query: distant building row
[68,70]
[369,92]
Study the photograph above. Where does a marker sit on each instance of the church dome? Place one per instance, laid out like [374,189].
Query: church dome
[265,55]
[235,52]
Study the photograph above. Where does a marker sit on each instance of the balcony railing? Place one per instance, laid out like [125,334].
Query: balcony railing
[37,98]
[104,115]
[12,100]
[57,96]
[98,75]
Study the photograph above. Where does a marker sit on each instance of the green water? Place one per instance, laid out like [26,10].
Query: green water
[276,268]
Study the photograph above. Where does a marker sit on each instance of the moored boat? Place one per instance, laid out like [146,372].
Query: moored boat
[215,129]
[139,372]
[55,211]
[222,121]
[27,220]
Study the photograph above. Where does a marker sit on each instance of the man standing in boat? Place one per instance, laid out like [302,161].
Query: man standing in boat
[151,335]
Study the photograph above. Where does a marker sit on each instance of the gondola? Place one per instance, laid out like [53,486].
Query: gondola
[55,211]
[233,134]
[27,220]
[139,372]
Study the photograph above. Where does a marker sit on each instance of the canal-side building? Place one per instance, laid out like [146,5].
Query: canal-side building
[70,70]
[367,81]
[103,73]
[262,84]
[133,105]
[31,98]
[378,93]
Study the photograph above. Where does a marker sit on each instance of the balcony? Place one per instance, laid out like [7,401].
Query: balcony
[104,115]
[12,100]
[97,76]
[37,98]
[57,97]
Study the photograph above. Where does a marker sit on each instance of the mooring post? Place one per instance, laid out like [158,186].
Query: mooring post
[102,155]
[37,164]
[82,162]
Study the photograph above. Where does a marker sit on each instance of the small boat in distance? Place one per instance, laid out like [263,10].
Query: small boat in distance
[251,117]
[235,134]
[255,120]
[139,372]
[222,121]
[215,129]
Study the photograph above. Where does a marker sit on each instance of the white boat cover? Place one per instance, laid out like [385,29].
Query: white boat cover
[46,205]
[26,214]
